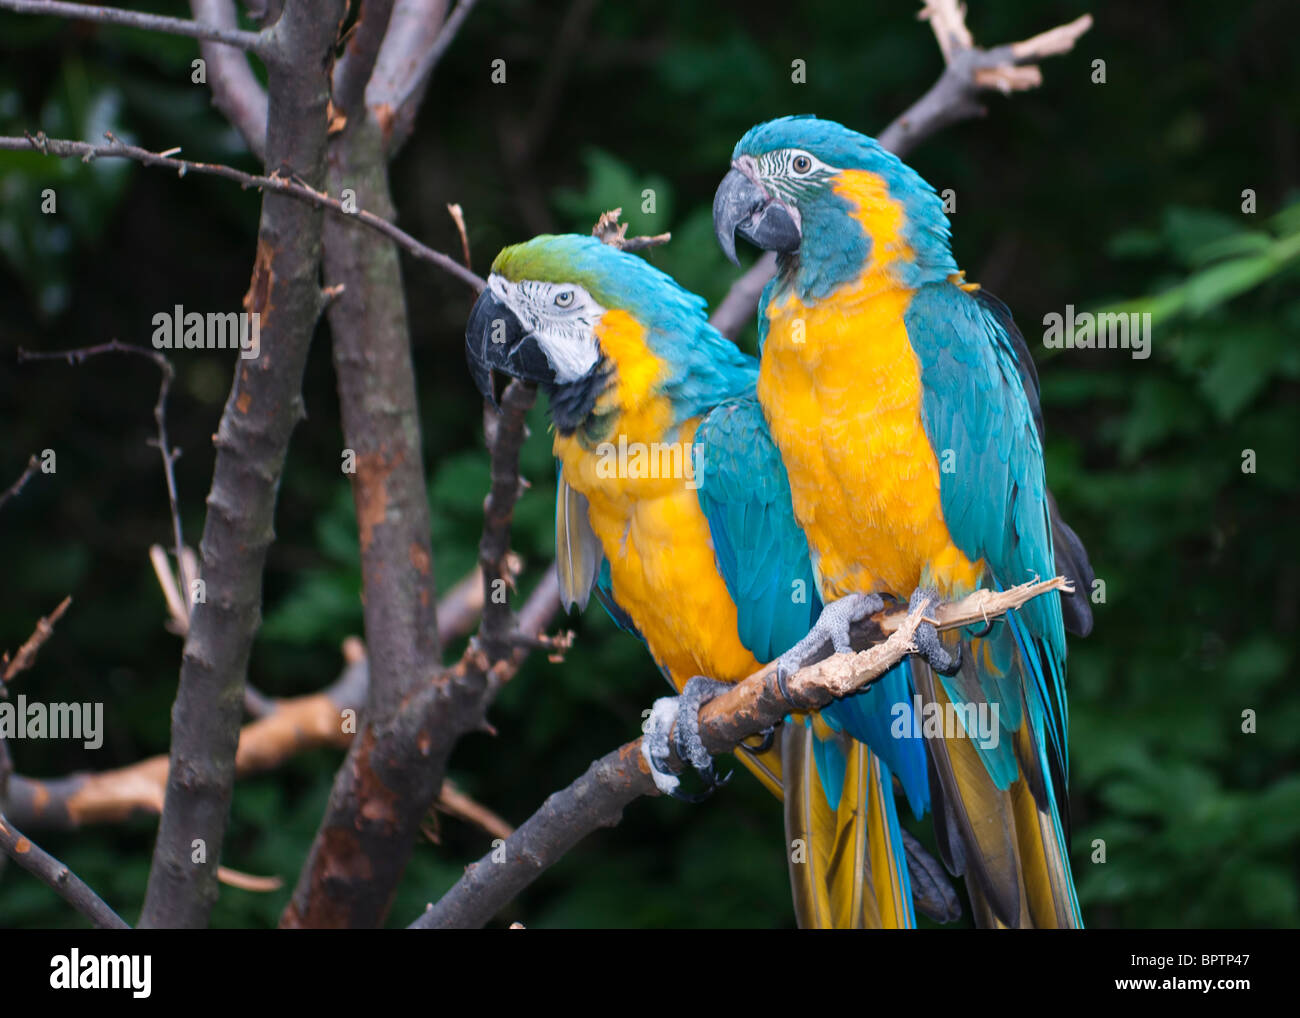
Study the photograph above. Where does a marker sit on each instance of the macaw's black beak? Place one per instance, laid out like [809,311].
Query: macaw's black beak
[495,340]
[741,206]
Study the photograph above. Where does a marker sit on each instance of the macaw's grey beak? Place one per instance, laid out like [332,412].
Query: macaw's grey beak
[495,340]
[741,206]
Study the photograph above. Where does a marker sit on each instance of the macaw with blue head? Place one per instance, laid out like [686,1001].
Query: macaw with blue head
[673,508]
[905,406]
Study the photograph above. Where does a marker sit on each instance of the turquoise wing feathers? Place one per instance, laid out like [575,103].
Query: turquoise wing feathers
[981,416]
[761,552]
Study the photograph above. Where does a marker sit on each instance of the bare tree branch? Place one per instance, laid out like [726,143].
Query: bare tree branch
[610,231]
[252,441]
[26,655]
[353,70]
[413,30]
[381,425]
[292,186]
[597,799]
[505,437]
[381,421]
[968,71]
[33,464]
[387,784]
[294,725]
[236,92]
[255,42]
[66,884]
[756,703]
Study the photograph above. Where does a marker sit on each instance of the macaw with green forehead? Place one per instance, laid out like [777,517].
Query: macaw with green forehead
[905,406]
[673,508]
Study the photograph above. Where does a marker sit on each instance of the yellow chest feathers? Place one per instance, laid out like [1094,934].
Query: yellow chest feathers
[661,559]
[841,387]
[638,480]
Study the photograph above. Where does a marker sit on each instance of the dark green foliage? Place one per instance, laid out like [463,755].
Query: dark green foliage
[1123,196]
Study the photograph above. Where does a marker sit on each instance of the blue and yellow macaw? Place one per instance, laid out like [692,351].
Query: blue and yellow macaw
[905,406]
[674,508]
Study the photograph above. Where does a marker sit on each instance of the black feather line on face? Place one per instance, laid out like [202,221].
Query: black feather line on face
[572,402]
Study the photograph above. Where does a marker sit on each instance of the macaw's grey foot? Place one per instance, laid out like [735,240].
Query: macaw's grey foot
[660,739]
[831,630]
[928,644]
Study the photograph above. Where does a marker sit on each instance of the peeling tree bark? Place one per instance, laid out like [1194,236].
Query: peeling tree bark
[397,764]
[381,425]
[375,803]
[264,406]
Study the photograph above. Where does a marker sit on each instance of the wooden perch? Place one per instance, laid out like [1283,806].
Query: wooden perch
[598,797]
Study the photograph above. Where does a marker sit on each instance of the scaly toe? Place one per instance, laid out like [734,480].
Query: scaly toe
[928,644]
[655,746]
[834,627]
[674,723]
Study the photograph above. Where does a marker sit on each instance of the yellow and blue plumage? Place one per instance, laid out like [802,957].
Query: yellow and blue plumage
[704,562]
[904,405]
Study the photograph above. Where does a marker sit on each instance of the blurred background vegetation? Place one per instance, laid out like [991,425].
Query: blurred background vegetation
[1128,192]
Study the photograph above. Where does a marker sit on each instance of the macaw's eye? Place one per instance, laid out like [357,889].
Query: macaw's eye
[564,299]
[801,164]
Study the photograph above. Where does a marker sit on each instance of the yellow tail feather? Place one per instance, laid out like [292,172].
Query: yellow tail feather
[843,866]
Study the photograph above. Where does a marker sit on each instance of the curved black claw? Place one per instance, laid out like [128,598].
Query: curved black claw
[683,712]
[988,628]
[832,628]
[767,735]
[928,644]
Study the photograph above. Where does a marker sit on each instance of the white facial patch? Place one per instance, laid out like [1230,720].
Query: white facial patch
[562,316]
[793,173]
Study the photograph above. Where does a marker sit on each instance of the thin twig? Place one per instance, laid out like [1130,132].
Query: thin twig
[598,798]
[66,884]
[293,187]
[458,217]
[610,231]
[248,881]
[169,455]
[254,42]
[454,802]
[33,464]
[26,656]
